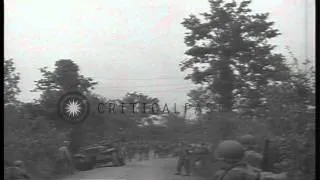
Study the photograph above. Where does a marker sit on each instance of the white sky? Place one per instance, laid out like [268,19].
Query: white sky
[128,45]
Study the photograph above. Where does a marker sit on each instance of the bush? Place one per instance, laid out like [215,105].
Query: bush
[33,140]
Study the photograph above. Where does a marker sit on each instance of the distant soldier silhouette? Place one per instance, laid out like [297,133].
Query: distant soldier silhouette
[146,151]
[64,160]
[183,160]
[140,151]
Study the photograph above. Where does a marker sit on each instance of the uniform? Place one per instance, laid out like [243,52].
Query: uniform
[231,153]
[146,151]
[252,157]
[247,172]
[64,160]
[130,152]
[140,151]
[183,161]
[238,171]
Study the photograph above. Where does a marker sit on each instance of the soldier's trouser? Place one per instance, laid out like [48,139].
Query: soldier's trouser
[115,159]
[140,156]
[187,164]
[183,162]
[180,164]
[147,155]
[63,166]
[130,155]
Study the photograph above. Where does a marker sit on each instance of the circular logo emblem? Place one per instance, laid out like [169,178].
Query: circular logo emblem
[73,107]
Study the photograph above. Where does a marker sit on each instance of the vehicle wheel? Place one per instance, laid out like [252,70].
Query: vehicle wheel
[83,165]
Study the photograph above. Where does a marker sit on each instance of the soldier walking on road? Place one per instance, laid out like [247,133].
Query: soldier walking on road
[64,159]
[146,151]
[183,160]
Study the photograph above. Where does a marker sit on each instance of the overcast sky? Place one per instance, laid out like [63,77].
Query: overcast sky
[128,45]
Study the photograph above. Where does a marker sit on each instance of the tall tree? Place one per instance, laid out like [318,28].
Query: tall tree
[65,77]
[53,84]
[229,52]
[11,80]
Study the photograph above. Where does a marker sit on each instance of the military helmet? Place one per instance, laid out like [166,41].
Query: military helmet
[247,139]
[229,150]
[18,163]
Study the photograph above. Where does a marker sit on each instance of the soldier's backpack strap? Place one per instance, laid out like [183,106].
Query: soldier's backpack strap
[226,171]
[258,177]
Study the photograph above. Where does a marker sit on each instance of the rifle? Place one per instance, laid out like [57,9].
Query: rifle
[265,162]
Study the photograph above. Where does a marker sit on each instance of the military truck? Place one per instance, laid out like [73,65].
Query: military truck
[89,157]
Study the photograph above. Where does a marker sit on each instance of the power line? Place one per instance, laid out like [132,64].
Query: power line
[153,86]
[146,91]
[165,89]
[134,79]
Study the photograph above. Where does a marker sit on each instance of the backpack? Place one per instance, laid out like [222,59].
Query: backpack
[247,172]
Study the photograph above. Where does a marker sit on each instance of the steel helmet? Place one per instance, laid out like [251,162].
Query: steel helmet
[229,150]
[247,139]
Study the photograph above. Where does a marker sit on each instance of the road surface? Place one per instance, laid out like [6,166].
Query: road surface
[154,169]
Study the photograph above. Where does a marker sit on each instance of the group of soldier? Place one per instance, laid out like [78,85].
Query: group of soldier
[143,150]
[237,159]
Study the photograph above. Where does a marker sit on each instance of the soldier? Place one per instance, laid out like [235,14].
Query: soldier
[17,172]
[231,153]
[122,150]
[156,151]
[251,156]
[130,153]
[64,159]
[148,150]
[115,158]
[183,160]
[140,151]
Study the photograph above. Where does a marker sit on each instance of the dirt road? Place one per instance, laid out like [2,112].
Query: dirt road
[155,169]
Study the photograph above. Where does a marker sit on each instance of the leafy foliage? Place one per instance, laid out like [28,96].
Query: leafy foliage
[11,80]
[31,139]
[230,54]
[65,77]
[231,59]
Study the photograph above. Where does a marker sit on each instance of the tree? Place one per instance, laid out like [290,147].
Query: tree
[229,52]
[65,77]
[142,108]
[11,80]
